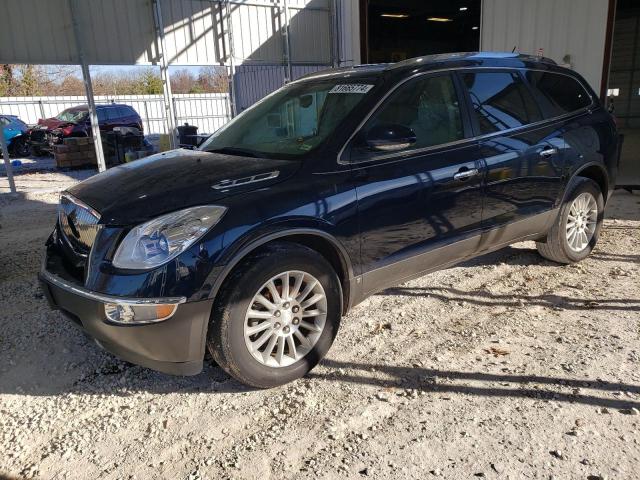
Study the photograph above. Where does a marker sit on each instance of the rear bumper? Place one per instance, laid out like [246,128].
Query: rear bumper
[175,346]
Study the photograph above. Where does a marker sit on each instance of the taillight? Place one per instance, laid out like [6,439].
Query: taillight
[66,131]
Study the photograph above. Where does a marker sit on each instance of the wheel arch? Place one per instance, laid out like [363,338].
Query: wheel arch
[320,241]
[598,174]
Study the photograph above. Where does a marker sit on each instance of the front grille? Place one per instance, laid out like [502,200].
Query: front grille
[78,223]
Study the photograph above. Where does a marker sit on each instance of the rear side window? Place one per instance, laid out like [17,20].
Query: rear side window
[127,112]
[501,101]
[559,94]
[428,106]
[112,113]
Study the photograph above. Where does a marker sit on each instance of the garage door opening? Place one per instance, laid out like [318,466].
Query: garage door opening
[623,93]
[394,30]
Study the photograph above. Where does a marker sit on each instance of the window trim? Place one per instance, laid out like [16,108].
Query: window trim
[474,138]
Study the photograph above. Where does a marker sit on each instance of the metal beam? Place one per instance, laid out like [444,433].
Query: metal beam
[167,95]
[86,78]
[7,160]
[287,42]
[233,104]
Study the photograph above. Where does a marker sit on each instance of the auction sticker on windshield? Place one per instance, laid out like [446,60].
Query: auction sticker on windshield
[351,88]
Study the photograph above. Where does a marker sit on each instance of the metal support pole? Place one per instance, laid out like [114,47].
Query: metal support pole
[287,43]
[232,65]
[335,32]
[86,78]
[93,116]
[7,160]
[167,95]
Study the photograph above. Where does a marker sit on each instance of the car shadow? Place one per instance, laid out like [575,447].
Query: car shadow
[441,381]
[487,299]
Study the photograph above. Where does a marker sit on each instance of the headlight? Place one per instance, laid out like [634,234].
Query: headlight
[161,239]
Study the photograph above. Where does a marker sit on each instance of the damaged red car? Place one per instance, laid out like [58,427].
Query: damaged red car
[74,122]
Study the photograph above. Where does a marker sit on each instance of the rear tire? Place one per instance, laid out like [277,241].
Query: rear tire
[575,232]
[291,335]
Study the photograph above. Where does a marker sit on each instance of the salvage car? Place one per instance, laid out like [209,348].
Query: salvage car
[15,134]
[332,188]
[75,122]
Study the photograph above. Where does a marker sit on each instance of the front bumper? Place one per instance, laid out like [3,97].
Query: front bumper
[175,345]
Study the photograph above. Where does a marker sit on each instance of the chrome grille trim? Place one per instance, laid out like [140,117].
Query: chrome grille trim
[78,223]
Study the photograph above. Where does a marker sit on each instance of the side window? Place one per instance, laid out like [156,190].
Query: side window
[102,114]
[559,94]
[125,112]
[428,106]
[500,100]
[112,113]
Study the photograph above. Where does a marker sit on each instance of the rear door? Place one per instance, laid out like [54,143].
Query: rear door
[420,207]
[523,154]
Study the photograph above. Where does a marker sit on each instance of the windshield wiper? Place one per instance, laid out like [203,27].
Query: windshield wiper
[235,151]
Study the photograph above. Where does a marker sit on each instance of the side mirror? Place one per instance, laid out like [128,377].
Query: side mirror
[306,101]
[390,137]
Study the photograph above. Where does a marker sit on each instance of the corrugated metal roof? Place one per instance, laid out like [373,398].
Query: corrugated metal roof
[122,31]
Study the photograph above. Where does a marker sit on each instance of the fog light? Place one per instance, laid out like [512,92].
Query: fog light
[128,314]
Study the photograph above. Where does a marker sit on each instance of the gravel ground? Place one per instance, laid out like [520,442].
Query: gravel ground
[507,366]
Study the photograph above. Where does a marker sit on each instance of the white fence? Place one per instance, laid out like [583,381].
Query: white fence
[208,111]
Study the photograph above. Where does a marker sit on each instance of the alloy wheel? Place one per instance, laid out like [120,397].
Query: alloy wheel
[285,319]
[581,221]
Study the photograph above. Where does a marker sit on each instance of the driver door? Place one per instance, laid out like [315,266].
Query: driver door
[419,207]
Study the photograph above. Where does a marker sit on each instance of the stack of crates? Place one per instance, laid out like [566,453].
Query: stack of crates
[75,152]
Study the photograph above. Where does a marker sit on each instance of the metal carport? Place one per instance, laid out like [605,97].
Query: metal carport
[166,33]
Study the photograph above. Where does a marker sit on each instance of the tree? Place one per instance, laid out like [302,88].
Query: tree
[182,81]
[6,80]
[31,80]
[213,79]
[151,83]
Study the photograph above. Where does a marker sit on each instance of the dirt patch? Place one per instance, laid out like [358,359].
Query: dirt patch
[507,366]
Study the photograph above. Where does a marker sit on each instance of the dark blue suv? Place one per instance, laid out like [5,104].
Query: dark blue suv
[334,187]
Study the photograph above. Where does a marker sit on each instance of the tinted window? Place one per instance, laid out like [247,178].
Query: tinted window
[501,101]
[428,106]
[112,113]
[102,114]
[559,94]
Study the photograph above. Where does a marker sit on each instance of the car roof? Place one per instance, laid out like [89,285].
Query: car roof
[85,108]
[431,62]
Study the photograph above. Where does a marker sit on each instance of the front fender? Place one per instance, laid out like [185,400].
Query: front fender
[238,249]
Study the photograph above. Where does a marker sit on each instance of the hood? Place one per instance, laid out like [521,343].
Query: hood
[53,123]
[136,192]
[10,133]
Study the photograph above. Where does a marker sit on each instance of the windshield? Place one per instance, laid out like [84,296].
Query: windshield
[290,122]
[72,115]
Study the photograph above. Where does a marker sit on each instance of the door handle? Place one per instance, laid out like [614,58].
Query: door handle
[465,174]
[548,152]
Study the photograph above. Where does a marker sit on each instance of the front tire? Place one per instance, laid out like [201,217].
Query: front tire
[20,148]
[575,232]
[276,316]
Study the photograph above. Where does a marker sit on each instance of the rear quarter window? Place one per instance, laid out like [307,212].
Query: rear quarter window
[558,94]
[500,100]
